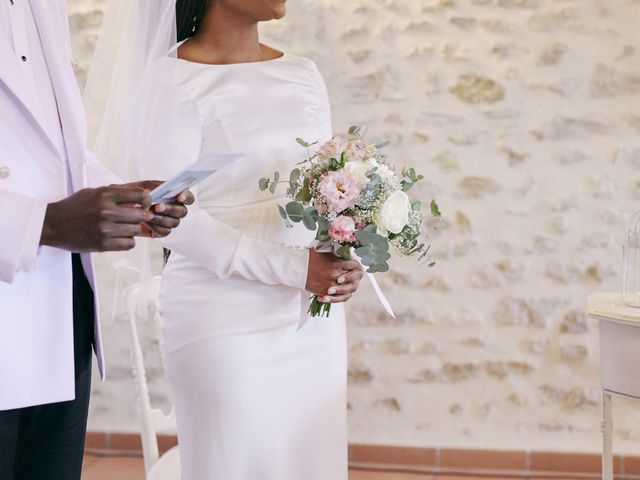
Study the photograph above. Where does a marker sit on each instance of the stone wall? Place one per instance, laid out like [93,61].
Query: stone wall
[524,115]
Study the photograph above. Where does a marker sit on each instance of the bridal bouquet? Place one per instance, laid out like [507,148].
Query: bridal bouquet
[356,202]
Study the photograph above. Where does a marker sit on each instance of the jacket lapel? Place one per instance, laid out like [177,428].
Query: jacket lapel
[12,75]
[51,21]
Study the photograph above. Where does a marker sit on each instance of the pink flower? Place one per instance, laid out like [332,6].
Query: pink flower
[330,150]
[343,229]
[339,189]
[355,151]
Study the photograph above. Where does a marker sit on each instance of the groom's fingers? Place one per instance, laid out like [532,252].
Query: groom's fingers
[119,244]
[127,215]
[129,195]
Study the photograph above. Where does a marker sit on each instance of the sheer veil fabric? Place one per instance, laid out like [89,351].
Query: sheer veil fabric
[134,33]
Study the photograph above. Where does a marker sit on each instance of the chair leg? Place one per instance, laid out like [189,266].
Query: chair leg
[607,436]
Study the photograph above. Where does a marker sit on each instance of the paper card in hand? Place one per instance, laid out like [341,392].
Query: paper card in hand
[204,167]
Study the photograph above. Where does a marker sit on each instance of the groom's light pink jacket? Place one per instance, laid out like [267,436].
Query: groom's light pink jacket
[36,317]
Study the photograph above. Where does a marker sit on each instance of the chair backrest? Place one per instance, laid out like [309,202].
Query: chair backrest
[142,303]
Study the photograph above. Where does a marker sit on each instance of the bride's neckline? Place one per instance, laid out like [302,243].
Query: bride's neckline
[173,53]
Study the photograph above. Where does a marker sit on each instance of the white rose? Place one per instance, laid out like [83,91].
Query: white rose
[359,170]
[393,216]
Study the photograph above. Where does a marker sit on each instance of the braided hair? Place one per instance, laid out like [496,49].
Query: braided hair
[189,14]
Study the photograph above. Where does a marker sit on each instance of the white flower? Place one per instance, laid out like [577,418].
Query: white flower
[359,170]
[393,216]
[385,172]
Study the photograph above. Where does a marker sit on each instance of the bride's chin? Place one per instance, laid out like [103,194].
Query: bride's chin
[279,8]
[280,12]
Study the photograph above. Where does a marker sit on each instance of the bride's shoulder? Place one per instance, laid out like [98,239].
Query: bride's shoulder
[271,54]
[303,64]
[167,71]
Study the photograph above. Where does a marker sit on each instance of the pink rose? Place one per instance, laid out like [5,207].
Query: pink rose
[330,150]
[339,189]
[343,229]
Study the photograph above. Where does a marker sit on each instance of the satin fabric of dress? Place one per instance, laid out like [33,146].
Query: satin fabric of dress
[256,397]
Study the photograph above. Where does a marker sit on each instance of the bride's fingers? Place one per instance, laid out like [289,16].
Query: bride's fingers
[186,198]
[349,265]
[345,289]
[340,298]
[351,277]
[165,221]
[158,230]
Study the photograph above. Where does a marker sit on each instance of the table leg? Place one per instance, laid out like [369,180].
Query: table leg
[607,437]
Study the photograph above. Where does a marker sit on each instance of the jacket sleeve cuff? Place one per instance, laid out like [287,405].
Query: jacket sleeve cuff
[24,219]
[31,245]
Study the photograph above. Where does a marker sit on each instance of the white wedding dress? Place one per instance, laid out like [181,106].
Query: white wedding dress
[256,397]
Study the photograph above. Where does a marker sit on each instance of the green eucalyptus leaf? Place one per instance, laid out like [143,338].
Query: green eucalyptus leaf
[312,212]
[304,195]
[274,185]
[302,143]
[416,205]
[354,129]
[309,218]
[295,211]
[263,183]
[310,223]
[373,258]
[435,210]
[370,238]
[283,212]
[344,252]
[323,230]
[378,268]
[294,176]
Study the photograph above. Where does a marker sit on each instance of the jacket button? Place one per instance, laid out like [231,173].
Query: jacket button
[4,172]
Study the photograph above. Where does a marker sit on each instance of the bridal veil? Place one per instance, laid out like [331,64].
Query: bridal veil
[133,34]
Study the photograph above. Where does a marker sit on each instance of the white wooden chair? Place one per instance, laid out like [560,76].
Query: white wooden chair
[619,361]
[142,303]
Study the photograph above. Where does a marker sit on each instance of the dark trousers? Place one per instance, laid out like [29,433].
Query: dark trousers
[46,442]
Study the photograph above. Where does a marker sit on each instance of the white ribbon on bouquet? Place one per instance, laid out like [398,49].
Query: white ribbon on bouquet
[325,248]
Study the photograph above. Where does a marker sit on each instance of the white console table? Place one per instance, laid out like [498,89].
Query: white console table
[619,361]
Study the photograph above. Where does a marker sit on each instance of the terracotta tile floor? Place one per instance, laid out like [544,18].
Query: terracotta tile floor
[131,468]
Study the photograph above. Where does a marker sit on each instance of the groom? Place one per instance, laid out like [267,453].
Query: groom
[52,202]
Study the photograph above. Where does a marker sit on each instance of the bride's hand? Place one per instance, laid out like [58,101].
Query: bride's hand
[331,278]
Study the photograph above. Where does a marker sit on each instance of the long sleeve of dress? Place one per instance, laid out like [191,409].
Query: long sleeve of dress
[169,141]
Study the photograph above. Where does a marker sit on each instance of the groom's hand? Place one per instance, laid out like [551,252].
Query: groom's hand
[97,219]
[166,216]
[332,279]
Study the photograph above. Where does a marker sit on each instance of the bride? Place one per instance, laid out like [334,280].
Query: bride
[259,389]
